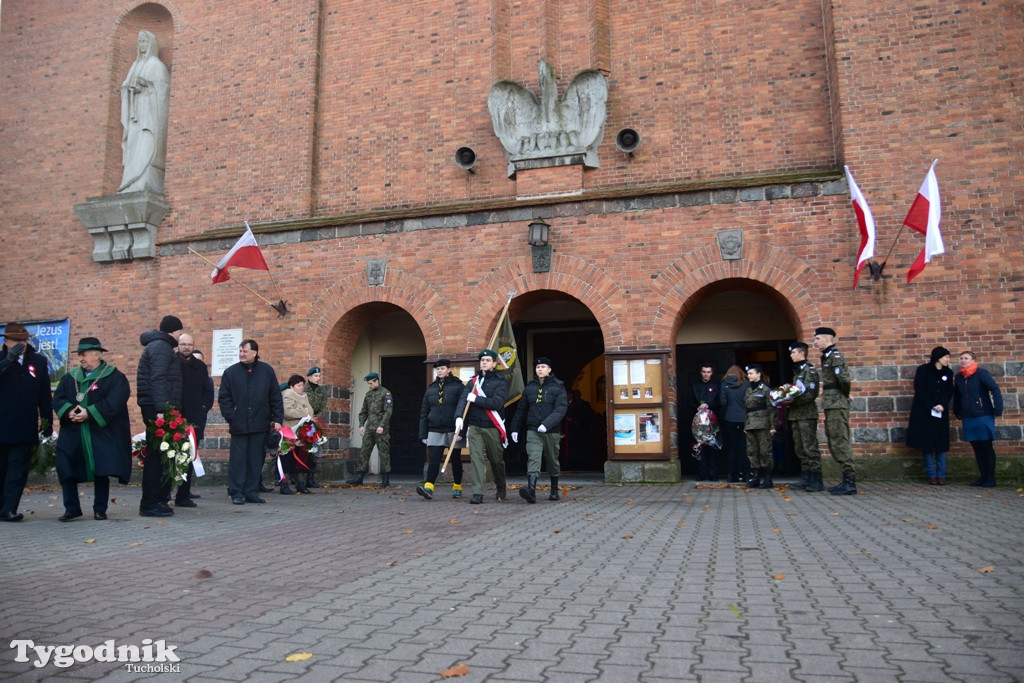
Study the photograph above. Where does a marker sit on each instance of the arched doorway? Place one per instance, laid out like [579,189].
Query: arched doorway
[733,322]
[558,326]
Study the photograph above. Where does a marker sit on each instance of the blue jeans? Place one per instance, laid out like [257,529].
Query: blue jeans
[935,465]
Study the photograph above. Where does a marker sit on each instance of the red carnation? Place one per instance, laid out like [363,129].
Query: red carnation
[159,422]
[173,424]
[177,437]
[160,433]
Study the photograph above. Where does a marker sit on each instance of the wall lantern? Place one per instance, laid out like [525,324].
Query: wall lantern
[537,237]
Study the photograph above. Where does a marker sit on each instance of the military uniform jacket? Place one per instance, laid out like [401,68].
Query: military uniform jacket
[835,379]
[317,396]
[803,406]
[761,414]
[376,410]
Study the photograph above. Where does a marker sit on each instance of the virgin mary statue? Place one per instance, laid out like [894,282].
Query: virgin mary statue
[144,106]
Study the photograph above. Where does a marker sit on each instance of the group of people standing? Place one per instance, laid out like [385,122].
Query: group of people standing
[749,419]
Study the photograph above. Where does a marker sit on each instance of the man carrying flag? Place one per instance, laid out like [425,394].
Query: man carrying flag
[245,254]
[485,394]
[924,216]
[866,223]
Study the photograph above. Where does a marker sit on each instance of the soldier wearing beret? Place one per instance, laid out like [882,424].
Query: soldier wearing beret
[835,395]
[803,419]
[541,412]
[485,395]
[759,427]
[317,396]
[437,427]
[374,427]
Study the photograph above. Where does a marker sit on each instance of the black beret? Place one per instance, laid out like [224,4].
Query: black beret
[442,361]
[757,367]
[313,370]
[371,376]
[798,345]
[543,360]
[825,330]
[487,352]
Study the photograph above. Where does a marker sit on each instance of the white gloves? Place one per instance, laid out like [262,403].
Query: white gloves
[542,429]
[515,437]
[458,424]
[471,398]
[424,441]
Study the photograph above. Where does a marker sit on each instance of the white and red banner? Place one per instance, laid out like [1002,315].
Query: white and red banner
[866,223]
[924,216]
[496,419]
[245,254]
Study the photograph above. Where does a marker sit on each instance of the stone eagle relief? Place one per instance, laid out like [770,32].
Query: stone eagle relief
[530,129]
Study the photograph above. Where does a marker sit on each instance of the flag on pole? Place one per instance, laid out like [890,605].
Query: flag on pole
[245,254]
[865,221]
[509,366]
[924,216]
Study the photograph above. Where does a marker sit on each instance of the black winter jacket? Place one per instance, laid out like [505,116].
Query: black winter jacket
[158,380]
[24,396]
[250,398]
[550,411]
[196,393]
[932,387]
[437,413]
[495,387]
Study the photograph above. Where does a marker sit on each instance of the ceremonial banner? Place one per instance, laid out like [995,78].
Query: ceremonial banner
[508,361]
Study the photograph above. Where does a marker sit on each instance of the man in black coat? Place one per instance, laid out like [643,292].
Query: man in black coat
[705,393]
[196,402]
[540,413]
[251,403]
[24,401]
[157,385]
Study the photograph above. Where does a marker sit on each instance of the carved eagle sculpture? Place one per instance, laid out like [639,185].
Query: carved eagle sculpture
[532,129]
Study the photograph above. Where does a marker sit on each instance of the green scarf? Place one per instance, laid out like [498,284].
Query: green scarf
[82,384]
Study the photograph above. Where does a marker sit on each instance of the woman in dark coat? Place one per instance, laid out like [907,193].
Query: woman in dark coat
[978,403]
[95,440]
[734,416]
[928,429]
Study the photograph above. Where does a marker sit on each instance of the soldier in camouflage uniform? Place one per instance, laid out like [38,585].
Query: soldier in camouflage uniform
[759,427]
[318,402]
[835,394]
[803,418]
[374,419]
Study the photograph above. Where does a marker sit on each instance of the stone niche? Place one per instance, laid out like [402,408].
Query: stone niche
[123,226]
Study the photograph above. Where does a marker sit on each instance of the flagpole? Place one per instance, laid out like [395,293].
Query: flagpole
[465,411]
[886,259]
[270,273]
[235,279]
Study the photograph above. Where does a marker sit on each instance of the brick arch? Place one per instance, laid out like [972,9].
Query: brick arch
[570,275]
[777,273]
[400,290]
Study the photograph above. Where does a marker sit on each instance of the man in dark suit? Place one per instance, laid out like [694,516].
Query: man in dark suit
[704,393]
[24,401]
[196,401]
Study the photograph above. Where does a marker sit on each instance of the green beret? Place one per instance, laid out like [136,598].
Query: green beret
[371,376]
[487,352]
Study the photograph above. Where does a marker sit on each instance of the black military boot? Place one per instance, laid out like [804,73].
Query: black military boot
[311,482]
[848,487]
[385,480]
[286,490]
[501,493]
[529,492]
[300,487]
[766,482]
[802,484]
[357,480]
[755,481]
[814,483]
[554,489]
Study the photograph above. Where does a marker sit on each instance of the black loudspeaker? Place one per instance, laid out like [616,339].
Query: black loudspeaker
[465,157]
[627,140]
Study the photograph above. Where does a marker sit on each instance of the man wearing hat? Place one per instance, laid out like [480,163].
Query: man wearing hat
[374,427]
[437,427]
[803,419]
[95,441]
[835,395]
[541,411]
[317,396]
[157,386]
[482,403]
[24,401]
[759,426]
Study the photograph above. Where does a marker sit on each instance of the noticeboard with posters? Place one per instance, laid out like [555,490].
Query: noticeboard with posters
[51,338]
[637,398]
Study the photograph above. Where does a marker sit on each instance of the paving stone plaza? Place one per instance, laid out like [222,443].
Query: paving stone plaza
[630,583]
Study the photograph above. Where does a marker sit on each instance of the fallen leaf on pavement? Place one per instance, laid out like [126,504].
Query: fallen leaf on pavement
[629,502]
[454,521]
[681,524]
[161,523]
[906,519]
[136,544]
[931,526]
[778,577]
[392,563]
[457,670]
[557,531]
[298,657]
[787,499]
[90,540]
[987,570]
[628,536]
[735,610]
[408,531]
[776,530]
[204,574]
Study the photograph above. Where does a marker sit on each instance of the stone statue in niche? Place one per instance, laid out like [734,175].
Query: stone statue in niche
[532,129]
[145,99]
[376,269]
[730,243]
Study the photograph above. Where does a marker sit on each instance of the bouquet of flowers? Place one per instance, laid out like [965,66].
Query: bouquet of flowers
[785,394]
[139,449]
[705,431]
[311,435]
[171,434]
[44,457]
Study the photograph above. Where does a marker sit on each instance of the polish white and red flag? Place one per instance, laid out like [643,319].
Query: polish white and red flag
[924,216]
[866,223]
[245,254]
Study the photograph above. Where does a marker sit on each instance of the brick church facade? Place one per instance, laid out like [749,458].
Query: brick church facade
[332,126]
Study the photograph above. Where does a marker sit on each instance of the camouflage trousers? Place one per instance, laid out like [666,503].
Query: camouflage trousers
[759,448]
[837,429]
[805,443]
[383,442]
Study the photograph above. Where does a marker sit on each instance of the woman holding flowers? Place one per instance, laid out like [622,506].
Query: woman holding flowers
[296,463]
[95,440]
